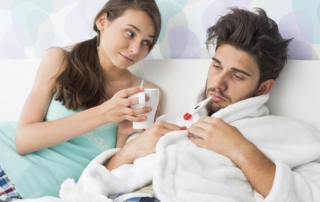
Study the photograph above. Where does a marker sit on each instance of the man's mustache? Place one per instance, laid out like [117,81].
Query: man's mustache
[217,92]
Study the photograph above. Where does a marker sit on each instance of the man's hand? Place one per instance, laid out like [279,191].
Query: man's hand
[142,145]
[125,129]
[218,136]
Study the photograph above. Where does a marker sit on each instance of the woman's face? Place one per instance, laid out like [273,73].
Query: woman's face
[125,40]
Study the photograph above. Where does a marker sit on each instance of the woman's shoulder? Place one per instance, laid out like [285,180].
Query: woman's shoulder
[55,54]
[53,60]
[148,84]
[136,81]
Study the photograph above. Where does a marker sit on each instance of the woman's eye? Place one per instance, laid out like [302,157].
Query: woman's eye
[131,34]
[216,66]
[146,43]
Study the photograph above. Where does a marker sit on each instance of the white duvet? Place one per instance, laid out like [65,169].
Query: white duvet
[181,171]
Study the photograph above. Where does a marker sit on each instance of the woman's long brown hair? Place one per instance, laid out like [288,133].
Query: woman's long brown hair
[81,85]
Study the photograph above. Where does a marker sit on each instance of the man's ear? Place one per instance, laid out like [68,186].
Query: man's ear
[101,21]
[266,87]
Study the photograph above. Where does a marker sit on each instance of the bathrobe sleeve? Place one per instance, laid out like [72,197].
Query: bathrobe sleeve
[301,183]
[97,179]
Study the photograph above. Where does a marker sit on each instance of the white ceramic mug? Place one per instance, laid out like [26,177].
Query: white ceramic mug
[153,94]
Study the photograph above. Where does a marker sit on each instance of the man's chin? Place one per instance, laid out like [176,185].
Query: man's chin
[213,109]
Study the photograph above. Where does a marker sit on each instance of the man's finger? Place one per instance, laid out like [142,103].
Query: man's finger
[196,141]
[196,130]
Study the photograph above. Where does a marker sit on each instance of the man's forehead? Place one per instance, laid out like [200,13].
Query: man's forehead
[233,58]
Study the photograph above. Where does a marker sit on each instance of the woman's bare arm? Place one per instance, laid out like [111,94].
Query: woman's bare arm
[33,134]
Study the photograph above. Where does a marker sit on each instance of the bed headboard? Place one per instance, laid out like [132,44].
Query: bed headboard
[295,93]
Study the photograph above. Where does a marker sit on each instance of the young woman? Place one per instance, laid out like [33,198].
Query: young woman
[78,98]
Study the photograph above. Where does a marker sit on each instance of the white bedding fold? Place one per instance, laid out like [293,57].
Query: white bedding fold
[181,171]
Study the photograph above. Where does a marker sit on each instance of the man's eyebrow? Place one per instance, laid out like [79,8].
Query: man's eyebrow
[217,60]
[138,30]
[240,70]
[233,68]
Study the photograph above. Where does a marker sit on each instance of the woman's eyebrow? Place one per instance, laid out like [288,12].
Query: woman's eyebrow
[138,30]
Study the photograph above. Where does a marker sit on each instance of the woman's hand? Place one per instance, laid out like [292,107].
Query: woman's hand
[125,129]
[118,109]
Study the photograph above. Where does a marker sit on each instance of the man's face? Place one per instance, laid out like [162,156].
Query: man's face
[233,76]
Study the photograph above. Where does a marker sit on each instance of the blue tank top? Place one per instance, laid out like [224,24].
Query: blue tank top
[40,173]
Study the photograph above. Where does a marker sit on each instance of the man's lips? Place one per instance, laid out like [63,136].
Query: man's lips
[127,59]
[217,98]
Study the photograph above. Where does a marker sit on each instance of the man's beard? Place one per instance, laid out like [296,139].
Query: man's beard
[213,106]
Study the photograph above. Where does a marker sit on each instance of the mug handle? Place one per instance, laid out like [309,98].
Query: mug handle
[142,99]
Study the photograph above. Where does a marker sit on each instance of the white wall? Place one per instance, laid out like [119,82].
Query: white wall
[28,28]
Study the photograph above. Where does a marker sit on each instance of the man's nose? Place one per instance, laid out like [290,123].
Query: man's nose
[220,82]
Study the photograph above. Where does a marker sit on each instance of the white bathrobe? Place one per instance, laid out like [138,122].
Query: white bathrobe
[181,171]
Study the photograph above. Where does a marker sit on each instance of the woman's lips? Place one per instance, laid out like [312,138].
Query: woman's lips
[127,59]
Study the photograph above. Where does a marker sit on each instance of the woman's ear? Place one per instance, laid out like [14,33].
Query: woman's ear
[265,87]
[101,21]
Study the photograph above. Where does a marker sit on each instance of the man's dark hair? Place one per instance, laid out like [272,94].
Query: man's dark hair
[256,34]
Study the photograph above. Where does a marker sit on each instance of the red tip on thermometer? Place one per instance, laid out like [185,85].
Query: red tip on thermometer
[199,106]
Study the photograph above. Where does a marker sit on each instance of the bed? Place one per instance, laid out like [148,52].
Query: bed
[295,93]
